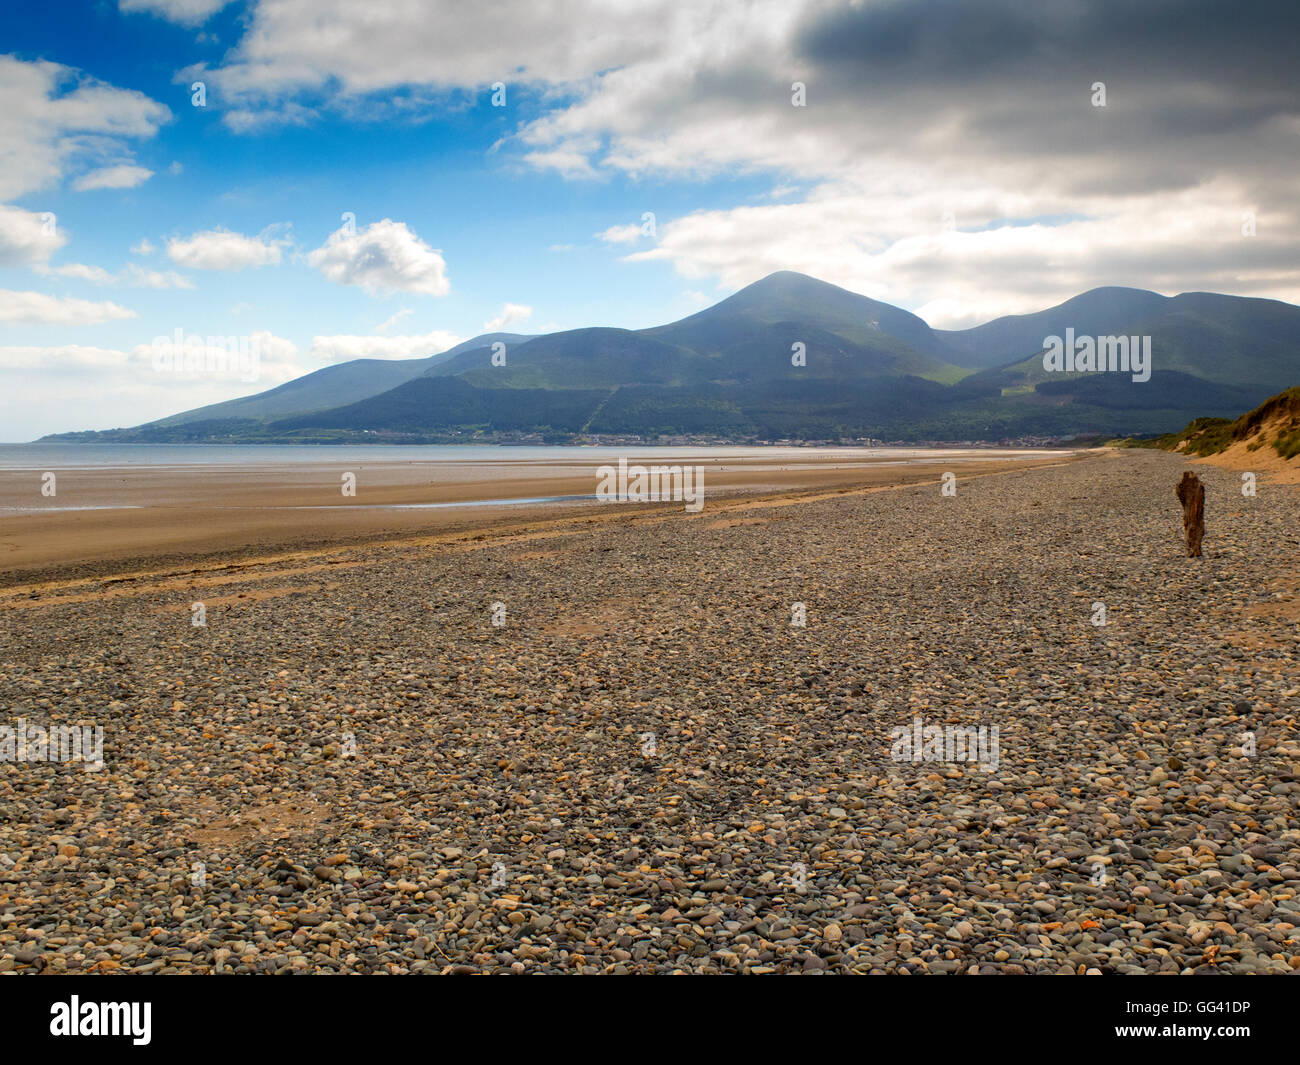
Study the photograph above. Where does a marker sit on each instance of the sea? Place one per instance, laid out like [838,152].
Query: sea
[76,456]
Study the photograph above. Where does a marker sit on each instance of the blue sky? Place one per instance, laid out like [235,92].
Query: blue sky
[508,233]
[959,174]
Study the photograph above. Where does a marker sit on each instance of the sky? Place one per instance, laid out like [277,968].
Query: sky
[328,179]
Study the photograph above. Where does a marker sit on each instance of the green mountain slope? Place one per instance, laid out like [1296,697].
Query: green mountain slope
[450,402]
[587,358]
[1099,312]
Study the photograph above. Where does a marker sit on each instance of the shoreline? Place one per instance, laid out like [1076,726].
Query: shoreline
[135,518]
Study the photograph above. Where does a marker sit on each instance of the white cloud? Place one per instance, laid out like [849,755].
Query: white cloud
[296,45]
[122,176]
[26,237]
[219,249]
[132,275]
[570,163]
[37,307]
[261,118]
[510,314]
[627,234]
[185,12]
[276,352]
[53,119]
[859,235]
[138,277]
[383,257]
[60,357]
[96,275]
[343,348]
[392,320]
[145,247]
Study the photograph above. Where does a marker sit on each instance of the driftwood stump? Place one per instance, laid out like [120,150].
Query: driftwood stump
[1191,494]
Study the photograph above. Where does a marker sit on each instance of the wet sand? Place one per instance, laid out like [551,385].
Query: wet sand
[111,520]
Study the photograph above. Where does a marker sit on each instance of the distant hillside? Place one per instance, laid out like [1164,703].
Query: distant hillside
[331,386]
[1245,347]
[869,370]
[1100,312]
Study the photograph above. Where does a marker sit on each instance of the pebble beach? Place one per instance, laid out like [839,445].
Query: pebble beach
[667,743]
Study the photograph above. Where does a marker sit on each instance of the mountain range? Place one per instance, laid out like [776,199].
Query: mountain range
[869,370]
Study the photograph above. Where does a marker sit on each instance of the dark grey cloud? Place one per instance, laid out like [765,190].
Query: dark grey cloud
[1193,87]
[1247,46]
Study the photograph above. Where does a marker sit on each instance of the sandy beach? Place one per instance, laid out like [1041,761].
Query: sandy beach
[113,519]
[663,742]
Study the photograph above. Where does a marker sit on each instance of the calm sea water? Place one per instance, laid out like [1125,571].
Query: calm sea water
[108,456]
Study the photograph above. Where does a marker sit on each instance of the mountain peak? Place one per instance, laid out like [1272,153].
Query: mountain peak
[790,275]
[790,281]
